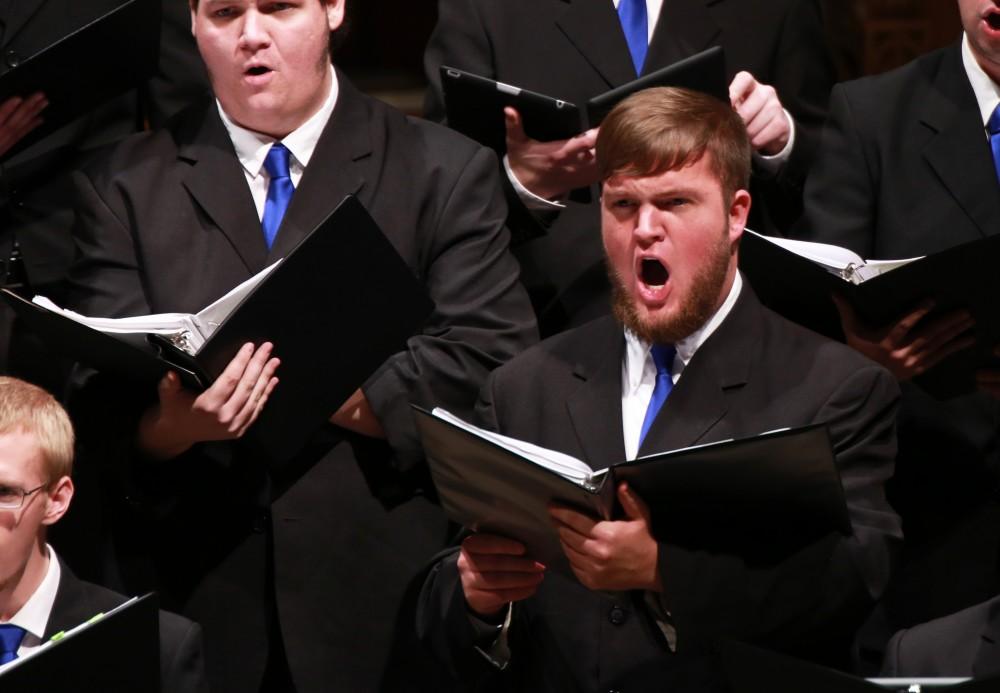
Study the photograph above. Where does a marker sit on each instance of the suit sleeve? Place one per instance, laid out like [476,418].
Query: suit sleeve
[841,192]
[182,661]
[814,598]
[482,316]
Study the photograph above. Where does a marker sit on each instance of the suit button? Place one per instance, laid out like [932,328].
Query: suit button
[12,58]
[617,615]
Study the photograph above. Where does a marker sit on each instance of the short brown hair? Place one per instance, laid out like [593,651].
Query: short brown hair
[27,408]
[667,128]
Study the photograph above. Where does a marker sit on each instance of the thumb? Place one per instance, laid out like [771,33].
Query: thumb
[635,508]
[169,385]
[512,121]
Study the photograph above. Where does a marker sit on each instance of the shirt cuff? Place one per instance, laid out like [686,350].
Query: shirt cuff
[491,639]
[773,163]
[528,198]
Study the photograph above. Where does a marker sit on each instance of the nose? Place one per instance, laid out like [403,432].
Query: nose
[253,31]
[649,225]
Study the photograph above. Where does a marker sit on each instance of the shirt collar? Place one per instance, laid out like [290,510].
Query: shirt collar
[637,350]
[34,615]
[252,147]
[986,90]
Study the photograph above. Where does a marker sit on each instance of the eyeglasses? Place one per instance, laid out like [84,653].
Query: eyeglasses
[13,498]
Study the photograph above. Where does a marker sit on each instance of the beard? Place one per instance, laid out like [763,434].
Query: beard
[694,311]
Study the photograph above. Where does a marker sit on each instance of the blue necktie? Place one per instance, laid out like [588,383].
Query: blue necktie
[632,14]
[10,640]
[663,358]
[993,126]
[279,191]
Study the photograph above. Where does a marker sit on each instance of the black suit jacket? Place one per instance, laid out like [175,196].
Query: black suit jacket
[905,169]
[575,50]
[167,223]
[756,373]
[963,644]
[182,667]
[35,187]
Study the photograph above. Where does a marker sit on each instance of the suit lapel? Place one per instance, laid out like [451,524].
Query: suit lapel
[340,165]
[699,400]
[958,150]
[593,28]
[595,408]
[218,185]
[684,28]
[72,605]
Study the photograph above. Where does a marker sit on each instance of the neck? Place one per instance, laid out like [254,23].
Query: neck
[22,584]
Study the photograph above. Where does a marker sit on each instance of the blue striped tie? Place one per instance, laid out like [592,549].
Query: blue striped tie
[632,14]
[279,191]
[663,358]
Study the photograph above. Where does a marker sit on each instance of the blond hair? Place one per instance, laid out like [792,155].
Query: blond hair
[28,408]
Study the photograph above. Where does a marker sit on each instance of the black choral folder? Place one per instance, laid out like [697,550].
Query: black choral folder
[335,308]
[726,496]
[964,276]
[474,104]
[82,70]
[116,653]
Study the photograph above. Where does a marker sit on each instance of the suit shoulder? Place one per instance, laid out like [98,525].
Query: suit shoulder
[943,647]
[590,341]
[882,90]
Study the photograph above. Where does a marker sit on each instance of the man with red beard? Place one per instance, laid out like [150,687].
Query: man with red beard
[674,166]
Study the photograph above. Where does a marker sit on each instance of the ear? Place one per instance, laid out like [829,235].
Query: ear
[194,14]
[57,500]
[739,208]
[334,13]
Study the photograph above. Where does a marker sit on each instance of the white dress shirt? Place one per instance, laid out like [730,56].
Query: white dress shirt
[34,615]
[252,147]
[639,371]
[986,90]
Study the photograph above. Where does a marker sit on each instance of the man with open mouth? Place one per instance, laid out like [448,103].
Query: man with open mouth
[689,357]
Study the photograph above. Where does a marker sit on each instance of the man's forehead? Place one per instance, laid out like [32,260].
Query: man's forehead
[20,453]
[690,175]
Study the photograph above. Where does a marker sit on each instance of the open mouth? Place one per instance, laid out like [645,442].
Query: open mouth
[257,70]
[992,19]
[653,273]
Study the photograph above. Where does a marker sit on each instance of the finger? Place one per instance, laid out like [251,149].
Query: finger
[169,386]
[741,85]
[933,334]
[499,598]
[242,393]
[928,361]
[499,563]
[221,390]
[576,521]
[515,128]
[25,113]
[493,581]
[771,128]
[897,335]
[988,381]
[635,508]
[260,404]
[491,543]
[587,139]
[255,401]
[8,107]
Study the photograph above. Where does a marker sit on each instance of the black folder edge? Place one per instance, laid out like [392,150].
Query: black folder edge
[137,65]
[704,72]
[135,353]
[430,426]
[752,669]
[104,641]
[800,290]
[467,94]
